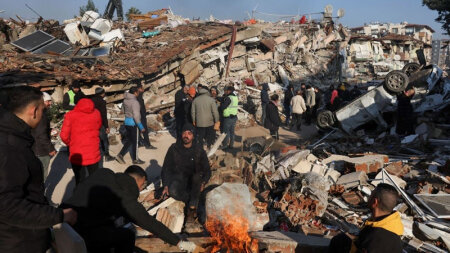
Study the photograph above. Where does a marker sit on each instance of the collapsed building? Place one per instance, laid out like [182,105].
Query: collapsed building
[295,197]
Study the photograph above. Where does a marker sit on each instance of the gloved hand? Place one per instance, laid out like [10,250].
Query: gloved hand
[187,246]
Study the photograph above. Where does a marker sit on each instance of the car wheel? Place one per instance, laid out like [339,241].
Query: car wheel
[396,81]
[325,119]
[410,68]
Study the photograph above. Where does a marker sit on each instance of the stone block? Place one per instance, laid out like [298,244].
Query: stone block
[353,179]
[332,175]
[172,216]
[400,182]
[397,169]
[280,39]
[353,198]
[303,166]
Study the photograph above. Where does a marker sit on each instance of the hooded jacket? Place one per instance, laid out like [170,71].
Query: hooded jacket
[132,110]
[100,105]
[25,215]
[265,94]
[381,235]
[273,121]
[80,132]
[106,196]
[204,110]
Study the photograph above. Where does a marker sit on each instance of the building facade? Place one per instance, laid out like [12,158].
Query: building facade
[440,52]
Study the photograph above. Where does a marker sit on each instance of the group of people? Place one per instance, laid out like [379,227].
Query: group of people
[207,112]
[102,201]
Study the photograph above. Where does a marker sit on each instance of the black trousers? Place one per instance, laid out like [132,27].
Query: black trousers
[186,189]
[206,134]
[144,139]
[104,142]
[274,134]
[296,121]
[80,171]
[179,122]
[104,239]
[130,142]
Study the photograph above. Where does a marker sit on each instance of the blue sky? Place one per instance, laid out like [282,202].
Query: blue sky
[357,12]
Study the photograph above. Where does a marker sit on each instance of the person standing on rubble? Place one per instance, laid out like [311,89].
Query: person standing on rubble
[81,133]
[133,124]
[298,108]
[185,172]
[25,215]
[310,103]
[71,98]
[405,113]
[229,108]
[288,95]
[273,121]
[145,140]
[43,147]
[100,105]
[319,101]
[205,116]
[104,199]
[180,114]
[265,100]
[381,232]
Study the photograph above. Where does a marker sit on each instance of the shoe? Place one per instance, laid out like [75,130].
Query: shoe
[138,161]
[192,225]
[109,158]
[150,147]
[119,159]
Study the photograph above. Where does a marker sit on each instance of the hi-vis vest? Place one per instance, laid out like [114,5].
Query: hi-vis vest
[232,109]
[71,97]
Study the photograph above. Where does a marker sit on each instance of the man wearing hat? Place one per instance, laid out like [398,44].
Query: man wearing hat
[43,147]
[71,97]
[185,171]
[100,105]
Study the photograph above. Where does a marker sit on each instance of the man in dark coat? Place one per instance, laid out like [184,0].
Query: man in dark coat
[180,113]
[43,147]
[265,100]
[103,200]
[144,140]
[288,95]
[185,171]
[273,121]
[405,113]
[100,105]
[25,215]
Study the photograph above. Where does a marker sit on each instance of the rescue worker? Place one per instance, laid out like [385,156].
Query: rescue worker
[205,116]
[71,98]
[229,107]
[381,232]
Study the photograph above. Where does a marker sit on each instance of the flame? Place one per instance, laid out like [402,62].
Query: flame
[231,234]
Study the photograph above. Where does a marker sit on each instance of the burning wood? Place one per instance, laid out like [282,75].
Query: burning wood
[230,234]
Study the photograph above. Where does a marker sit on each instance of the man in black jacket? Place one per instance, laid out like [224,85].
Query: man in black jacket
[185,171]
[180,113]
[273,121]
[381,232]
[100,105]
[105,197]
[43,147]
[288,95]
[265,100]
[25,216]
[145,141]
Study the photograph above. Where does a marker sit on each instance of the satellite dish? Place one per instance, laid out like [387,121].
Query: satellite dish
[340,13]
[328,9]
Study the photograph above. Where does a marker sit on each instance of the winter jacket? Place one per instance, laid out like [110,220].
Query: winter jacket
[204,110]
[66,100]
[80,132]
[105,196]
[42,141]
[310,98]
[273,121]
[132,110]
[181,162]
[288,95]
[334,95]
[265,94]
[142,111]
[100,105]
[381,235]
[25,215]
[180,97]
[298,104]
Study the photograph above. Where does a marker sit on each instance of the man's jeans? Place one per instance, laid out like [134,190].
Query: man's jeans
[229,124]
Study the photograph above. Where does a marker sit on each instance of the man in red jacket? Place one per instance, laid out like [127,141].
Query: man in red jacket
[80,132]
